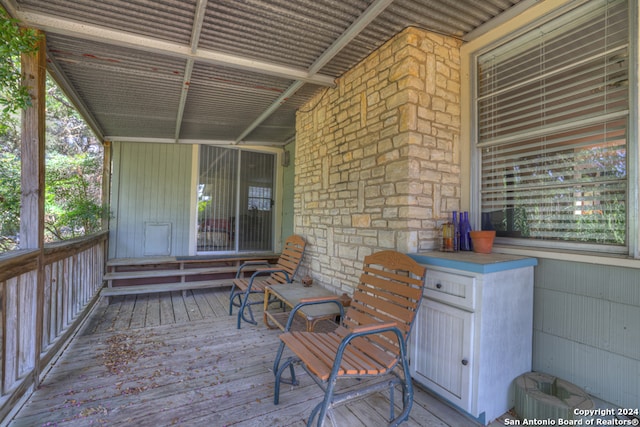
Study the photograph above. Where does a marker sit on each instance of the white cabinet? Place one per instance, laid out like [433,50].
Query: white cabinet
[440,359]
[473,333]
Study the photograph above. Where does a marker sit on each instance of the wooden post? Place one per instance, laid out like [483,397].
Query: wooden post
[107,152]
[106,183]
[34,75]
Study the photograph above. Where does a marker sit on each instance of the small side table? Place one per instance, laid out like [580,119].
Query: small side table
[290,295]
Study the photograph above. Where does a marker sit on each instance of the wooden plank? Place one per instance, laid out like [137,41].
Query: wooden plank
[126,262]
[61,294]
[107,152]
[67,304]
[440,409]
[93,323]
[368,415]
[153,310]
[193,310]
[34,76]
[221,305]
[200,299]
[163,287]
[11,332]
[120,275]
[27,327]
[47,311]
[15,263]
[126,311]
[200,372]
[138,317]
[118,262]
[179,307]
[104,320]
[166,310]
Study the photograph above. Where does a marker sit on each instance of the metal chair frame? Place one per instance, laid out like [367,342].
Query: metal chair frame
[396,334]
[282,272]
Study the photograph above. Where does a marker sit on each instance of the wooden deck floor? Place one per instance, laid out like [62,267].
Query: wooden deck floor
[164,360]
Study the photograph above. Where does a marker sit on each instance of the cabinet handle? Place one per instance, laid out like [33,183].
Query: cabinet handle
[438,285]
[465,362]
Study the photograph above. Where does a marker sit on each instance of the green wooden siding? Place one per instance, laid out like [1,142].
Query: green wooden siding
[586,331]
[151,185]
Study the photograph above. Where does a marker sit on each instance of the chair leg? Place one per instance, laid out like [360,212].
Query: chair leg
[276,361]
[391,399]
[279,370]
[245,305]
[407,393]
[232,296]
[323,407]
[313,414]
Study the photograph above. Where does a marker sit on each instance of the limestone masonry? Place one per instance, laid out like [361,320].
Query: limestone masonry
[377,157]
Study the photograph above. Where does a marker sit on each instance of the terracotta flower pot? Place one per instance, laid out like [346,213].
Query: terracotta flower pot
[482,241]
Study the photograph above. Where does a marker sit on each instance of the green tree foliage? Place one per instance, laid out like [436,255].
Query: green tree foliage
[14,41]
[73,174]
[9,200]
[71,208]
[73,164]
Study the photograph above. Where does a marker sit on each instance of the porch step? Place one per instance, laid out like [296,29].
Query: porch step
[115,264]
[129,276]
[163,287]
[139,274]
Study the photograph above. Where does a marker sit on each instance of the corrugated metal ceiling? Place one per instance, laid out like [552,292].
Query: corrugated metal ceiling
[221,71]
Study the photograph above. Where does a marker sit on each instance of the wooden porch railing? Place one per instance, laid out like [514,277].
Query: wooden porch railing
[44,297]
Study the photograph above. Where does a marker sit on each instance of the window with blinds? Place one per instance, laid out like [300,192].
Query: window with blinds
[552,111]
[235,200]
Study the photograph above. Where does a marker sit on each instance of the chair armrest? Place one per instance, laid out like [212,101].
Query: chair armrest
[371,329]
[250,264]
[264,271]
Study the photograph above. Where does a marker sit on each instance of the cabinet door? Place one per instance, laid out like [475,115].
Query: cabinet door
[441,356]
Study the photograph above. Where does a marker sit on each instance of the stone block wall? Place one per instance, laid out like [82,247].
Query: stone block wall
[376,162]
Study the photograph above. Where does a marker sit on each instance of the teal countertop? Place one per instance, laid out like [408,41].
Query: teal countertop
[474,262]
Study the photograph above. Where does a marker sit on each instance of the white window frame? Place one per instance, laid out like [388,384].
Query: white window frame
[493,35]
[277,194]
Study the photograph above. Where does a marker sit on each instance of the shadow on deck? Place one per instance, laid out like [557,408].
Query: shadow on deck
[168,360]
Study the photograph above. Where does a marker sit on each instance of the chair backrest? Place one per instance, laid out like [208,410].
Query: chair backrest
[290,258]
[389,290]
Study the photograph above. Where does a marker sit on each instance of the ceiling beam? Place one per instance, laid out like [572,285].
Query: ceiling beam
[198,19]
[345,38]
[222,142]
[60,79]
[371,13]
[188,70]
[291,90]
[58,25]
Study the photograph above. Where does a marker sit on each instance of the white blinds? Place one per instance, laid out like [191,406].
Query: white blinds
[255,225]
[217,198]
[552,109]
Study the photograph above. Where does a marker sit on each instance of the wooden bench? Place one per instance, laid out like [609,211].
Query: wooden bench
[131,276]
